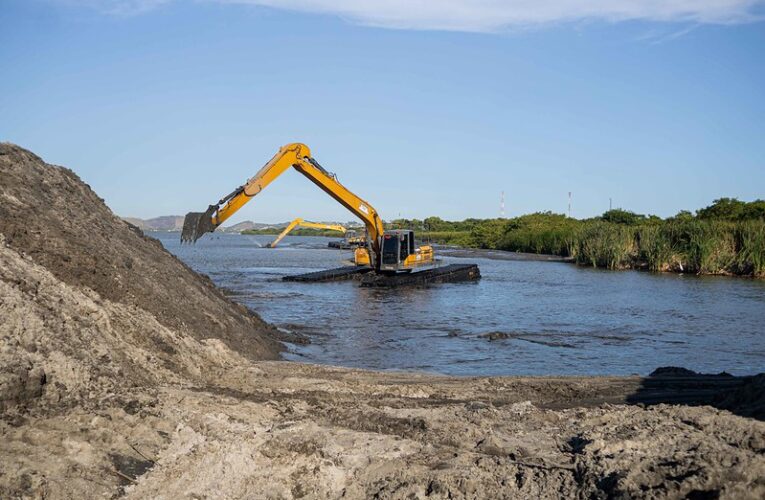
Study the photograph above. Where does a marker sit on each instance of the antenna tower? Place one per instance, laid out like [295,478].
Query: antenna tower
[569,204]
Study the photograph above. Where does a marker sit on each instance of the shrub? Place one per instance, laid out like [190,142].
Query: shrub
[619,216]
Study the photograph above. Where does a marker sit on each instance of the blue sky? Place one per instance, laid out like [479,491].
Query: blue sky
[164,106]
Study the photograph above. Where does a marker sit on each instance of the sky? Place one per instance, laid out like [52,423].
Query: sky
[421,107]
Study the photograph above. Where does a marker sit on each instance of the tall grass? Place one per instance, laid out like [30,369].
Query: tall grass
[749,239]
[702,247]
[655,249]
[602,244]
[682,245]
[541,233]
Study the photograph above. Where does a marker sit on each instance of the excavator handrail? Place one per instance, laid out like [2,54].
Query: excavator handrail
[294,155]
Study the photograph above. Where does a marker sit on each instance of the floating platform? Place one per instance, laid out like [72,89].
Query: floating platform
[337,274]
[443,274]
[343,245]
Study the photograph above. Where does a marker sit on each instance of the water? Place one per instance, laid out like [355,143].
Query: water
[562,319]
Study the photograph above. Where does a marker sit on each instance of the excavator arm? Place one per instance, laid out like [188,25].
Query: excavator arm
[303,223]
[318,225]
[294,155]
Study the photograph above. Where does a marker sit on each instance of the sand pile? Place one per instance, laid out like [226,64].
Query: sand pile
[49,214]
[122,373]
[64,346]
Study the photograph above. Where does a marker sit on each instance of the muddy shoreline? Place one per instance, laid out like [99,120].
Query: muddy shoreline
[467,253]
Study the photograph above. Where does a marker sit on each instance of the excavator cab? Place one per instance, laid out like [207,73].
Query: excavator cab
[396,247]
[399,252]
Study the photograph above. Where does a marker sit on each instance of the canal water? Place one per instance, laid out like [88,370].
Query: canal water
[558,319]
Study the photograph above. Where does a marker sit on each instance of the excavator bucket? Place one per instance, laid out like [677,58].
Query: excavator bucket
[195,224]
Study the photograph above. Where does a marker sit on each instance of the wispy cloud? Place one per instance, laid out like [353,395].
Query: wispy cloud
[659,36]
[116,7]
[492,15]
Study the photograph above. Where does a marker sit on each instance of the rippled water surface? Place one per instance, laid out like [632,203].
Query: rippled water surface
[560,319]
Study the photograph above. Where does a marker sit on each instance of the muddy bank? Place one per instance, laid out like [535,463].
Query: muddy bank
[467,253]
[142,381]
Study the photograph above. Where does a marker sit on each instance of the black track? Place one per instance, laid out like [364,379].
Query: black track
[443,274]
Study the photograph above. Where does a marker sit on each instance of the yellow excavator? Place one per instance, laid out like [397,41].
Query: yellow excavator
[387,252]
[304,223]
[351,240]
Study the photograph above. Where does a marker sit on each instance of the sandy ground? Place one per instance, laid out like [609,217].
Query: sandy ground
[107,393]
[284,430]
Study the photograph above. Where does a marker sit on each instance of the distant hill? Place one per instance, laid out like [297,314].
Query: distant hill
[162,223]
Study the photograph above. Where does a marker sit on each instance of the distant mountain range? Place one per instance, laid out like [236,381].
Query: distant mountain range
[163,223]
[175,223]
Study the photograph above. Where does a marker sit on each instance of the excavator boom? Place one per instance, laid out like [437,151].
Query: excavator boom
[294,155]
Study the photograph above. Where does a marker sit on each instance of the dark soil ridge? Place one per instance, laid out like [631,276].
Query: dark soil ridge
[48,213]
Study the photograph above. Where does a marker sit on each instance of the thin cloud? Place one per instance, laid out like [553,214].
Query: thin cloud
[117,7]
[498,15]
[494,15]
[657,38]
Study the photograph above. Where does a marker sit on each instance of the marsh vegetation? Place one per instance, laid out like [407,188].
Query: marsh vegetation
[727,237]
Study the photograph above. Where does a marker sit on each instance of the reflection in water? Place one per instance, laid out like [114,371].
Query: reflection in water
[556,318]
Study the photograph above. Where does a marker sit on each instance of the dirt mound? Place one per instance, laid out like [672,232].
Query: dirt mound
[669,384]
[71,347]
[48,213]
[747,400]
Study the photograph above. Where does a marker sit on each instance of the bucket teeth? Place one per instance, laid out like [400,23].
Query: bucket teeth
[195,224]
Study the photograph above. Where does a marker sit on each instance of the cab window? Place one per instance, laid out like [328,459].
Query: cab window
[390,249]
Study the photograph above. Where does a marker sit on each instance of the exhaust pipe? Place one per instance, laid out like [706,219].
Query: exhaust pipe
[195,224]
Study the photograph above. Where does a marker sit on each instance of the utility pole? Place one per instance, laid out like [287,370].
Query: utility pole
[609,204]
[569,204]
[502,206]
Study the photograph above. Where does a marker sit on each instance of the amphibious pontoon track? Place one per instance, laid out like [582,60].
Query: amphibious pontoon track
[442,274]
